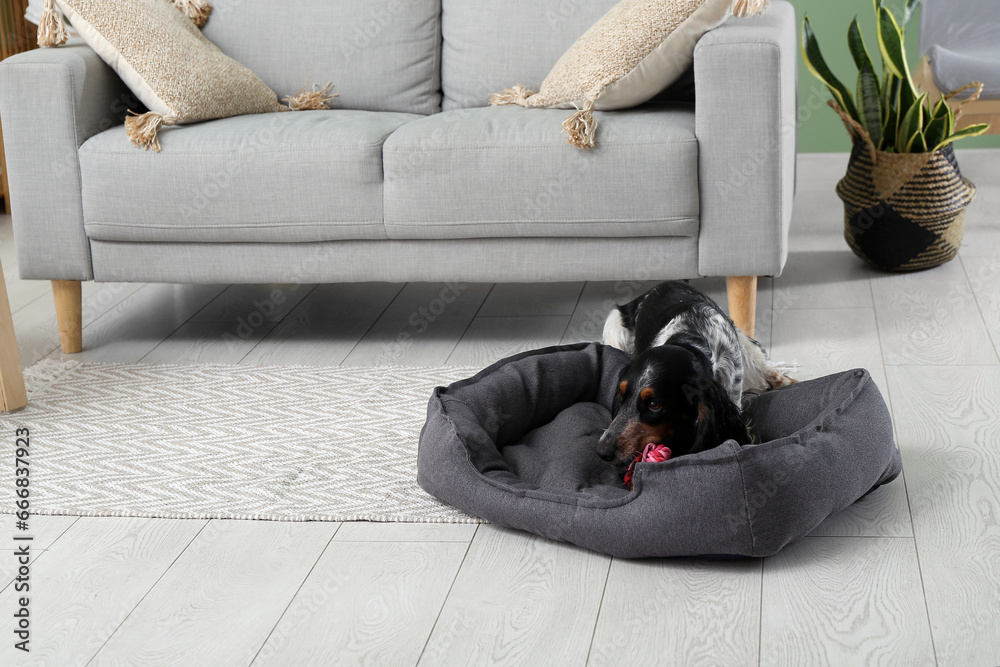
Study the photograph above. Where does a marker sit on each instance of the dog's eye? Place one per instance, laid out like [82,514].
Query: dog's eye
[654,406]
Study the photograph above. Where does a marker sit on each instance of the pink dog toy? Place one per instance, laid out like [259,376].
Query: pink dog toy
[651,453]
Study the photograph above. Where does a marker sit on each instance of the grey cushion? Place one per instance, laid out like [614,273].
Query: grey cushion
[508,172]
[489,46]
[381,56]
[960,36]
[283,177]
[515,445]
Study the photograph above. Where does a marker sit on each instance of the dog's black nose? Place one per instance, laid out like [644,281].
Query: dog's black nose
[606,447]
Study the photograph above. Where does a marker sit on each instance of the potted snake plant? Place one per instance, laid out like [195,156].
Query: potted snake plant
[904,196]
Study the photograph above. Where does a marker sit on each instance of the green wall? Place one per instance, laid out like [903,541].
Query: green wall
[819,128]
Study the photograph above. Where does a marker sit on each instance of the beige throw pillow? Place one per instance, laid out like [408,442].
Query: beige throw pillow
[157,49]
[633,52]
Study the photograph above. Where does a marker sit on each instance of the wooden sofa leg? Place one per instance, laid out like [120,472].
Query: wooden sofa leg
[69,307]
[742,292]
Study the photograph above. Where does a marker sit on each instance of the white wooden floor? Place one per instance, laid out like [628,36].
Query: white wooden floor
[908,576]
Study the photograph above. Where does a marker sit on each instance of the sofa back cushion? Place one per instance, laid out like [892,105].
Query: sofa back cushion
[381,55]
[489,46]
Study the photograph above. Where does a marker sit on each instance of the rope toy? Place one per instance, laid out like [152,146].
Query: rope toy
[651,453]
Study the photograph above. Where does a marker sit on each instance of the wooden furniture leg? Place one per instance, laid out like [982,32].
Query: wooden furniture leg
[69,305]
[742,291]
[12,396]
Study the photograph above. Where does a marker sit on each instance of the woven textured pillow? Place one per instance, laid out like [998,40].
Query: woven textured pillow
[632,53]
[161,55]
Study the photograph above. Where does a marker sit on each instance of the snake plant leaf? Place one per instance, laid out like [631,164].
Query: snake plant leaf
[890,42]
[867,94]
[940,109]
[971,131]
[890,93]
[856,43]
[869,104]
[918,144]
[888,143]
[817,65]
[911,124]
[936,130]
[904,100]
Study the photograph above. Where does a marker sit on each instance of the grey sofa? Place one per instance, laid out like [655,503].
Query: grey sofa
[411,177]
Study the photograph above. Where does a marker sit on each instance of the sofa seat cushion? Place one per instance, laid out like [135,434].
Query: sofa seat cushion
[283,177]
[498,172]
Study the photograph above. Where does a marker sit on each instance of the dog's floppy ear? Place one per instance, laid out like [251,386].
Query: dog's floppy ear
[718,420]
[616,403]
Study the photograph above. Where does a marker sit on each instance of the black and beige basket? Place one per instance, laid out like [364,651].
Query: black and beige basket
[903,211]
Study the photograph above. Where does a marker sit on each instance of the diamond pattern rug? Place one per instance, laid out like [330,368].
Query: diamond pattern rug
[235,442]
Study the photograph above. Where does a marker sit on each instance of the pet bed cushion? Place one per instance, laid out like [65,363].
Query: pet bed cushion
[515,445]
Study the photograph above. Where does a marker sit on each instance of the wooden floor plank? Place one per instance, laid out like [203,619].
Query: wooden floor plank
[45,529]
[23,292]
[129,331]
[831,278]
[421,326]
[519,600]
[370,531]
[366,603]
[679,611]
[208,343]
[325,326]
[219,601]
[89,581]
[36,327]
[984,278]
[930,318]
[827,341]
[844,601]
[948,435]
[489,339]
[247,305]
[531,299]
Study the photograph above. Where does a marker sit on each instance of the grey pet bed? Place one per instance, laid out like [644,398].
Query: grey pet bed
[515,446]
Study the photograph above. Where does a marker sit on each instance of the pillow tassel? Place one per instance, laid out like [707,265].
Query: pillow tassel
[143,129]
[314,99]
[581,127]
[517,95]
[747,8]
[196,10]
[51,27]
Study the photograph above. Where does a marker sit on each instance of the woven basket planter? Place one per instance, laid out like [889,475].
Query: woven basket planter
[904,211]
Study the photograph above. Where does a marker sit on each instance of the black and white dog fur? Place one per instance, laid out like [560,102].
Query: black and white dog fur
[685,386]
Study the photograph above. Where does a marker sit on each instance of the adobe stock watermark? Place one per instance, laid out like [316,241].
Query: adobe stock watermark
[246,325]
[420,321]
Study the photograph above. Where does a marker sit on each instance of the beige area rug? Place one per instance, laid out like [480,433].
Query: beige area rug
[212,441]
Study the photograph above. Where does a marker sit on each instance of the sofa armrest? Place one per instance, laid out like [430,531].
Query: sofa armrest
[745,121]
[51,101]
